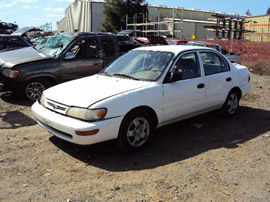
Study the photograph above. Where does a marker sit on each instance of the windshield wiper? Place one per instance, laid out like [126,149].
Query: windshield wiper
[105,73]
[125,76]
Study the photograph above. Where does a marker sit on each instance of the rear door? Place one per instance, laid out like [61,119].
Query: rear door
[109,49]
[218,78]
[87,59]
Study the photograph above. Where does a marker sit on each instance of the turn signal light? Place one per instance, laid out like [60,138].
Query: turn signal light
[86,133]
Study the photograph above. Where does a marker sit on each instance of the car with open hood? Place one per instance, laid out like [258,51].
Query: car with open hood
[147,88]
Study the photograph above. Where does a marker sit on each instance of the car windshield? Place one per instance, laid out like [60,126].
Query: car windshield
[54,45]
[140,65]
[171,42]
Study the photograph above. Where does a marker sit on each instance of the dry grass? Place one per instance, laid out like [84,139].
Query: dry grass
[259,67]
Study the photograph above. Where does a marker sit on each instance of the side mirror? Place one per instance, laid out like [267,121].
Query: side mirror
[69,56]
[173,76]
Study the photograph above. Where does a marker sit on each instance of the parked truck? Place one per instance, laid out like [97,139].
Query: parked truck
[63,57]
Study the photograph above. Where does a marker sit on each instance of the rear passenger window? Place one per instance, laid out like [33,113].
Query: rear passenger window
[107,44]
[213,63]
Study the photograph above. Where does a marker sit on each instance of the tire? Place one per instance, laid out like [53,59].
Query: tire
[135,130]
[231,104]
[33,89]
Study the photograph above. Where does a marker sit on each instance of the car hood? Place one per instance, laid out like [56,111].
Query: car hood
[24,30]
[90,90]
[19,56]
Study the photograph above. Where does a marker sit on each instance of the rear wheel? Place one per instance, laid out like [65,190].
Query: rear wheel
[135,130]
[231,104]
[33,89]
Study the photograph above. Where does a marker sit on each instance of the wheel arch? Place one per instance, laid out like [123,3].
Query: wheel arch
[149,110]
[237,90]
[49,77]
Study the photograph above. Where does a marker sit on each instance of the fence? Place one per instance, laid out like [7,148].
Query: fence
[256,51]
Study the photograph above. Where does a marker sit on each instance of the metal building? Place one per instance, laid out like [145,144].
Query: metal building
[87,16]
[260,27]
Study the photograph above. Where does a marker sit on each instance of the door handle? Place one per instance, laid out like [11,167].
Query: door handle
[96,63]
[201,85]
[229,79]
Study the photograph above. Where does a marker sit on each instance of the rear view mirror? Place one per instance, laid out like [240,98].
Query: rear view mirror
[69,56]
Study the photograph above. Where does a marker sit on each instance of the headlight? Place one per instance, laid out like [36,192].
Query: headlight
[10,73]
[87,114]
[42,100]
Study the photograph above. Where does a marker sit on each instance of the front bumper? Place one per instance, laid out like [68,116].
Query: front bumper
[64,127]
[7,84]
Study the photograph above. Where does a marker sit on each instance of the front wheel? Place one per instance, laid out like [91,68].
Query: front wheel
[135,130]
[33,89]
[231,104]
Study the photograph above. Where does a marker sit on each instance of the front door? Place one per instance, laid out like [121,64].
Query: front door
[185,97]
[87,60]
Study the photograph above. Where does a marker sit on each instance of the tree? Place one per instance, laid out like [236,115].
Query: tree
[268,11]
[138,8]
[248,13]
[115,12]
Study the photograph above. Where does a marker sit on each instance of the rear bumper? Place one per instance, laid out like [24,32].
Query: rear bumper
[245,89]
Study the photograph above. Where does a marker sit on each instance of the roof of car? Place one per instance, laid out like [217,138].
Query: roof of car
[172,48]
[201,43]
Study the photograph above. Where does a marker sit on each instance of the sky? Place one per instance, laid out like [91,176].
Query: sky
[39,12]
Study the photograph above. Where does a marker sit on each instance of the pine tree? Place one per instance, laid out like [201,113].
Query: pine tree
[268,11]
[115,12]
[248,13]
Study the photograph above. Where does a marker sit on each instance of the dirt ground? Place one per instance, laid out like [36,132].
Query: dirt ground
[207,158]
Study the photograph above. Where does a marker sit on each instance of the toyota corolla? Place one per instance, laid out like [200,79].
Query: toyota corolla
[147,88]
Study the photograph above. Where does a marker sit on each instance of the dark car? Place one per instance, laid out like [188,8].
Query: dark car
[8,42]
[63,57]
[7,28]
[17,39]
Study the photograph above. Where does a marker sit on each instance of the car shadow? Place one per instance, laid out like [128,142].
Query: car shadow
[15,119]
[176,142]
[15,99]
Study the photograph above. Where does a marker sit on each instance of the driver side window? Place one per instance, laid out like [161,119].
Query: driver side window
[188,66]
[86,48]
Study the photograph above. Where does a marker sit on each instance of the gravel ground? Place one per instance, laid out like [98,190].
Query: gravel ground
[207,158]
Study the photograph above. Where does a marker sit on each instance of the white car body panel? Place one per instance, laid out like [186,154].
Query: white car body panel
[89,90]
[168,101]
[217,89]
[64,127]
[190,98]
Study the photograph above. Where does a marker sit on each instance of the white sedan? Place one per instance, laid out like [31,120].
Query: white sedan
[145,89]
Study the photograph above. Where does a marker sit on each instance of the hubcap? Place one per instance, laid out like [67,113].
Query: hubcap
[138,132]
[34,90]
[232,103]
